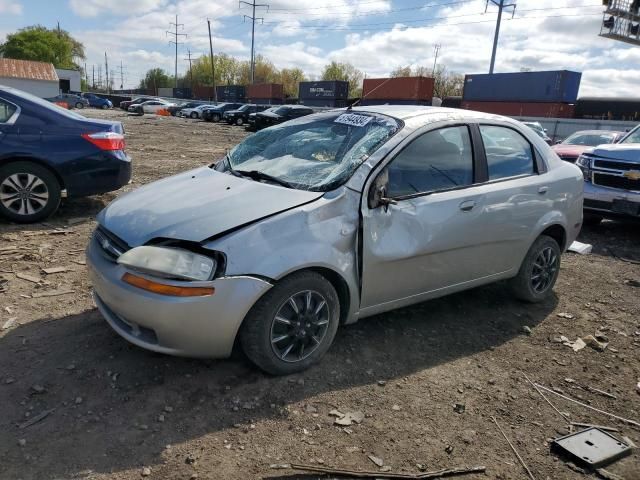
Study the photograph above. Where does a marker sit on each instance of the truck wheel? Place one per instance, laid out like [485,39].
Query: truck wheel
[239,121]
[28,192]
[538,272]
[293,325]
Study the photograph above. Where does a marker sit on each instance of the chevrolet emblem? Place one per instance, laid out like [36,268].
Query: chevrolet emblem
[632,175]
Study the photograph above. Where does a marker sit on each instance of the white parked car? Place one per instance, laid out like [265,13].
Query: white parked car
[195,112]
[150,106]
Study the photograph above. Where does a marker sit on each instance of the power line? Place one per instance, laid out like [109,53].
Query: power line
[381,12]
[330,6]
[253,18]
[176,35]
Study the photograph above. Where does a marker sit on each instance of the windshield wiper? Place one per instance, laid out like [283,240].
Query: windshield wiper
[256,175]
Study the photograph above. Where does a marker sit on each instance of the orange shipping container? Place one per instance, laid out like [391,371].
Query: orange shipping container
[523,109]
[265,90]
[399,88]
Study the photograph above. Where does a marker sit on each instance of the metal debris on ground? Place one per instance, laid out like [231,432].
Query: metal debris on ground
[626,420]
[591,448]
[36,419]
[447,472]
[524,465]
[581,248]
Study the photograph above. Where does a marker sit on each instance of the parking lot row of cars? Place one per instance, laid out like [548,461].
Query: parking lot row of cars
[83,100]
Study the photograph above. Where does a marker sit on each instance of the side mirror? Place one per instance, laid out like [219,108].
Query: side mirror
[378,192]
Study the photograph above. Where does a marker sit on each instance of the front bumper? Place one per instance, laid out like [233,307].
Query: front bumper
[611,202]
[203,327]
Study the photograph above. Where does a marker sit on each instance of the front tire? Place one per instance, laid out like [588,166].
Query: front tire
[215,117]
[538,272]
[105,107]
[194,115]
[79,105]
[28,192]
[293,325]
[239,121]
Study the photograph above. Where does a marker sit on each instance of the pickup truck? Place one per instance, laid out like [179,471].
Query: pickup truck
[612,179]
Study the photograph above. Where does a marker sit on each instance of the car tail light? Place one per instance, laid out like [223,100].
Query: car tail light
[106,140]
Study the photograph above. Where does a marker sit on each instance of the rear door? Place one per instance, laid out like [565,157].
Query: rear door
[425,240]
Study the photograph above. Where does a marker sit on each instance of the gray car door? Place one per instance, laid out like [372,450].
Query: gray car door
[424,241]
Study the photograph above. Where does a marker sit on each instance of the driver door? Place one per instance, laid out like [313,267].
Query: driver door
[422,241]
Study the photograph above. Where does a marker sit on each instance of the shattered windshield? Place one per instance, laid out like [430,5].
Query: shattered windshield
[316,152]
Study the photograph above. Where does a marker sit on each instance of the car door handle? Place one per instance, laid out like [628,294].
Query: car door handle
[543,190]
[467,205]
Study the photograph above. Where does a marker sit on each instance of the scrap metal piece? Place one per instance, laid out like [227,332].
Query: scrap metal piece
[591,448]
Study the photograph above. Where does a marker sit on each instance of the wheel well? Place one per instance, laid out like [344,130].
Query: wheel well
[558,233]
[6,161]
[342,289]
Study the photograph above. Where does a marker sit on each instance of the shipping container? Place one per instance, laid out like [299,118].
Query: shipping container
[326,89]
[381,101]
[452,102]
[265,90]
[265,101]
[611,108]
[559,86]
[183,92]
[523,109]
[231,93]
[399,88]
[324,102]
[165,92]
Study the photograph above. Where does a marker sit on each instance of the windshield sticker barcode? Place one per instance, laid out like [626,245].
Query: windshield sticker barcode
[353,119]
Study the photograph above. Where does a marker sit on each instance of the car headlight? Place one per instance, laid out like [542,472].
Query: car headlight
[169,262]
[584,162]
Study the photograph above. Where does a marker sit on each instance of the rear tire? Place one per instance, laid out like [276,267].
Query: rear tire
[538,272]
[79,105]
[194,115]
[105,107]
[215,117]
[305,328]
[28,192]
[239,121]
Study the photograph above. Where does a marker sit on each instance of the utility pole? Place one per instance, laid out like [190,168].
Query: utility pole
[213,64]
[86,76]
[253,19]
[436,51]
[106,69]
[93,76]
[121,75]
[176,35]
[190,69]
[501,6]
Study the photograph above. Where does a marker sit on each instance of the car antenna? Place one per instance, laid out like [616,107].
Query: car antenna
[354,104]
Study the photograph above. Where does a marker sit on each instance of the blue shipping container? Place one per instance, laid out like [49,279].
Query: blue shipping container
[559,86]
[323,89]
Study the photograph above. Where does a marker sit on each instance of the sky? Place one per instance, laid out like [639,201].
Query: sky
[374,35]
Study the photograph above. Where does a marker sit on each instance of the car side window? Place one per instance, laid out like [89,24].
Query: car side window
[6,111]
[509,154]
[438,160]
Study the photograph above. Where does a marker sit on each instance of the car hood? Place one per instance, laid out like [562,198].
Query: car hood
[269,115]
[619,151]
[573,150]
[196,205]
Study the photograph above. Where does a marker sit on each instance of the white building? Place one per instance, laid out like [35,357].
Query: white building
[69,80]
[37,78]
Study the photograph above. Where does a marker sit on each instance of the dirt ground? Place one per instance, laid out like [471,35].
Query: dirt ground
[427,378]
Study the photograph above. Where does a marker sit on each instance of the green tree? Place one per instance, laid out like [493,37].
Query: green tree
[41,44]
[290,79]
[156,78]
[345,71]
[401,72]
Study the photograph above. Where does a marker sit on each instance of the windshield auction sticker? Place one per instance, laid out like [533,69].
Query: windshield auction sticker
[353,119]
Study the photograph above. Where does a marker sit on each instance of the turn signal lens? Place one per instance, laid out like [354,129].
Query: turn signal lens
[169,290]
[106,140]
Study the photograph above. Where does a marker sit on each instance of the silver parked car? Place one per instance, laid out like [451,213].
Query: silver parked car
[329,218]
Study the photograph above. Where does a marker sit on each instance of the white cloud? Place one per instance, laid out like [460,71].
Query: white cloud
[93,8]
[10,8]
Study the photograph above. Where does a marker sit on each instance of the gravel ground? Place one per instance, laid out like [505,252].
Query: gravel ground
[426,379]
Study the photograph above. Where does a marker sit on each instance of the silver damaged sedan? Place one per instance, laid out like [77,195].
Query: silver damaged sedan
[329,218]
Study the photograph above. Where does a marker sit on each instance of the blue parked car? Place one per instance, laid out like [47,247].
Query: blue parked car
[98,102]
[48,153]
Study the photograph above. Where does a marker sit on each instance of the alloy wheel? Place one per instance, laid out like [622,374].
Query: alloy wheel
[299,326]
[544,270]
[24,193]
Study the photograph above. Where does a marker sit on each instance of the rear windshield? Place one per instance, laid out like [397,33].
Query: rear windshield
[316,152]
